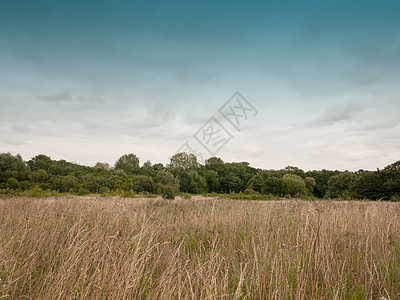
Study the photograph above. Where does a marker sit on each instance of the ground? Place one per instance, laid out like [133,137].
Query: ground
[119,248]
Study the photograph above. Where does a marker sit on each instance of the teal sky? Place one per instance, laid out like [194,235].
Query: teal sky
[88,81]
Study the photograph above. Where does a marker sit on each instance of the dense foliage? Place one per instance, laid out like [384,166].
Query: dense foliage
[184,174]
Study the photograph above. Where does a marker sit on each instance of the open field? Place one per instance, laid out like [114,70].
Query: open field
[114,248]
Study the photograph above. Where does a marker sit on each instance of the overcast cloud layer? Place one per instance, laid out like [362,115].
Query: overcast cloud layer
[91,81]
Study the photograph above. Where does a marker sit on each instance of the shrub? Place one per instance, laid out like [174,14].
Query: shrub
[250,192]
[83,191]
[168,192]
[13,183]
[36,191]
[395,198]
[341,185]
[129,194]
[104,190]
[143,183]
[295,185]
[186,195]
[274,186]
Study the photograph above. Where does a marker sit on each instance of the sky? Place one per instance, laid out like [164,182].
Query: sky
[89,81]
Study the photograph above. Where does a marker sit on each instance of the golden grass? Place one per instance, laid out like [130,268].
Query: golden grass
[114,248]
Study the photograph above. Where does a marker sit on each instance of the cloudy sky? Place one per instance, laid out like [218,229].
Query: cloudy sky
[88,81]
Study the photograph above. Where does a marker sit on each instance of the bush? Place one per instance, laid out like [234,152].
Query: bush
[395,198]
[274,186]
[8,192]
[186,195]
[104,190]
[296,186]
[83,191]
[341,186]
[250,192]
[13,183]
[143,183]
[118,192]
[168,192]
[129,194]
[36,191]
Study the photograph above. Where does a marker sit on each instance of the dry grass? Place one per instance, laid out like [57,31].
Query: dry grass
[112,248]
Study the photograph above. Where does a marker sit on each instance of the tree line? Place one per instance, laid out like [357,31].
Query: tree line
[184,174]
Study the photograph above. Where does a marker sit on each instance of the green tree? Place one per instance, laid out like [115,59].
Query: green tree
[167,178]
[11,163]
[65,184]
[233,183]
[371,186]
[167,184]
[158,167]
[40,162]
[391,174]
[103,165]
[321,180]
[183,161]
[216,164]
[273,185]
[234,177]
[143,183]
[294,170]
[256,183]
[128,163]
[342,185]
[93,182]
[212,181]
[197,183]
[13,166]
[13,183]
[310,184]
[147,169]
[39,176]
[295,185]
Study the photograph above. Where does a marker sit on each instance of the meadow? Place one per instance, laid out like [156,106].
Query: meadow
[200,248]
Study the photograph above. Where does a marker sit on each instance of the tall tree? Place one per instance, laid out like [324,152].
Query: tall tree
[295,185]
[183,161]
[371,186]
[40,161]
[128,163]
[342,185]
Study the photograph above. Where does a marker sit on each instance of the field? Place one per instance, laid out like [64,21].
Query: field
[115,248]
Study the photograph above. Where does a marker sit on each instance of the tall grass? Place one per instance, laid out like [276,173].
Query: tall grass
[114,248]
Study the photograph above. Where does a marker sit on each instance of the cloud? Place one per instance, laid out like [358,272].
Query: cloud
[336,113]
[63,96]
[204,77]
[375,60]
[21,128]
[379,124]
[14,142]
[161,112]
[134,77]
